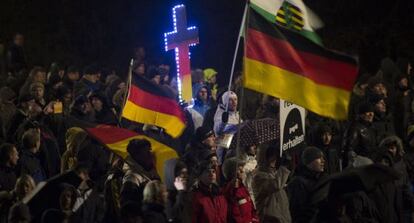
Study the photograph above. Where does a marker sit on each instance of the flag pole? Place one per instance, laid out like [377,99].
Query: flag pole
[237,50]
[129,79]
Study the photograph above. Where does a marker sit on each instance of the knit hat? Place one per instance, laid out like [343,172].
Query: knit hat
[205,155]
[72,69]
[209,73]
[91,70]
[374,81]
[310,154]
[230,167]
[364,107]
[36,85]
[202,167]
[374,99]
[178,167]
[203,133]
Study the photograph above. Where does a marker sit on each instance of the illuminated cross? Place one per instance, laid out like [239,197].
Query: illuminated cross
[180,40]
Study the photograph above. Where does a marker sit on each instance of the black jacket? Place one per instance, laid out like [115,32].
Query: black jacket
[7,178]
[383,126]
[153,213]
[360,138]
[30,164]
[300,190]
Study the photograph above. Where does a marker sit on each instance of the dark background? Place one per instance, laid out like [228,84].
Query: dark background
[81,32]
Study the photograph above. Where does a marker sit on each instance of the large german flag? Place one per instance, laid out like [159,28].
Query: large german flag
[117,139]
[284,64]
[150,104]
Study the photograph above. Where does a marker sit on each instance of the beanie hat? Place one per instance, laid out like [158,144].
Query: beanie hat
[36,85]
[72,69]
[91,70]
[310,154]
[375,98]
[230,167]
[202,167]
[364,107]
[374,81]
[209,73]
[203,133]
[178,167]
[205,155]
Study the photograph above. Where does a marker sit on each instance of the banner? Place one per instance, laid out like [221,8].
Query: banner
[292,126]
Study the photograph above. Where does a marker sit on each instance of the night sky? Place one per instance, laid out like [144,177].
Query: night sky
[82,32]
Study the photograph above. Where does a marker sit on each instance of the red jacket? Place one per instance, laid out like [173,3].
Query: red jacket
[208,206]
[241,206]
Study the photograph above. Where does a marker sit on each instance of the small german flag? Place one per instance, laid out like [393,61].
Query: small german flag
[284,64]
[117,139]
[149,103]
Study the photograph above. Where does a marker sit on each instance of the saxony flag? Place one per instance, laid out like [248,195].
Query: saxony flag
[283,63]
[292,14]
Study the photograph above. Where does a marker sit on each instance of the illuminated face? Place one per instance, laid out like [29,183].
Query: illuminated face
[97,104]
[233,103]
[210,141]
[381,106]
[318,165]
[203,94]
[367,116]
[326,138]
[208,176]
[73,76]
[19,40]
[40,77]
[38,93]
[13,157]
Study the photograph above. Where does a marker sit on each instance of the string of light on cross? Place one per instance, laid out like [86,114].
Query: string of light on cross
[180,40]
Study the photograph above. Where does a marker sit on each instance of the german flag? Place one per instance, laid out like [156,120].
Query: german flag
[117,139]
[151,104]
[284,64]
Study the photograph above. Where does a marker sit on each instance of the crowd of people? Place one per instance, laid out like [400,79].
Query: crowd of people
[43,113]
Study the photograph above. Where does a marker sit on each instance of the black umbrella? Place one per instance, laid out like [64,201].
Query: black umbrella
[365,178]
[46,194]
[256,132]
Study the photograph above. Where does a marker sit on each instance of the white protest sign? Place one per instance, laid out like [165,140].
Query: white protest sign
[292,126]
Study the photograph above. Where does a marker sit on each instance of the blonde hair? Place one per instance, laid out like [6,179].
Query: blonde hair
[152,192]
[20,183]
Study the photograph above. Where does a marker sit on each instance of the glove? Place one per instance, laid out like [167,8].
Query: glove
[225,117]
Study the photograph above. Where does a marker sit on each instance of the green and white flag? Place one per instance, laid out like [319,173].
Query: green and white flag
[292,14]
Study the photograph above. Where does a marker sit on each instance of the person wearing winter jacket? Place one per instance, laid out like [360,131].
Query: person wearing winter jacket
[154,201]
[301,186]
[241,206]
[269,187]
[394,147]
[209,204]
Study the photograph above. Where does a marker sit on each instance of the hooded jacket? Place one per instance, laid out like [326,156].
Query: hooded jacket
[269,189]
[209,205]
